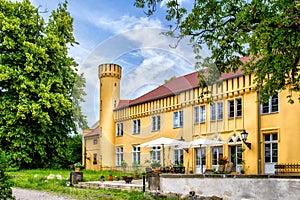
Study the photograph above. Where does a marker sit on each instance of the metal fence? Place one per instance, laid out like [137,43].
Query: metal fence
[288,169]
[128,169]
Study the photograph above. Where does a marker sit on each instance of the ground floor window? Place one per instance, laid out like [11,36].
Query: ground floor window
[200,160]
[94,158]
[217,152]
[119,155]
[155,153]
[270,152]
[178,156]
[236,157]
[271,148]
[136,154]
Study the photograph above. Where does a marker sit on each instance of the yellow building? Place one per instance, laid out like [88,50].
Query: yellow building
[174,110]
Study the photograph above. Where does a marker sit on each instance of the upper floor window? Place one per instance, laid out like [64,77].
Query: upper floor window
[213,112]
[271,106]
[220,110]
[199,114]
[155,123]
[95,141]
[119,129]
[202,114]
[235,108]
[136,126]
[178,119]
[196,115]
[238,103]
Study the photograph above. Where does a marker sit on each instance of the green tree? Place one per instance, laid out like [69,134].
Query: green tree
[74,150]
[37,78]
[267,32]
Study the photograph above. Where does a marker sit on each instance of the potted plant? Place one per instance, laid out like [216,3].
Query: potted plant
[222,161]
[110,176]
[124,166]
[136,169]
[155,164]
[77,166]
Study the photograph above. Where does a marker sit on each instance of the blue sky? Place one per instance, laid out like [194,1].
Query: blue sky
[114,31]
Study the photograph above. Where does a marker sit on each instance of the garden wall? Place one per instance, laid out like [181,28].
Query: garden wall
[233,186]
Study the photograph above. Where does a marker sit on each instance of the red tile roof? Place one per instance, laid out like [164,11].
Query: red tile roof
[174,87]
[94,132]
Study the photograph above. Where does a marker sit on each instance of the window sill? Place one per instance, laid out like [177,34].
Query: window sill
[177,127]
[269,113]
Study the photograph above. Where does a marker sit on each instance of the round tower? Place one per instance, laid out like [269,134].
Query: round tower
[110,76]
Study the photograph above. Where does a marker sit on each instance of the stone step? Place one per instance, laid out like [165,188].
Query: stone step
[118,185]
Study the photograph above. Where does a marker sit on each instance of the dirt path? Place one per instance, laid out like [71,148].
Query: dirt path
[23,194]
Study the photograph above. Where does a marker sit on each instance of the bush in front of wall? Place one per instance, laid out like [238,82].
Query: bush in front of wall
[5,181]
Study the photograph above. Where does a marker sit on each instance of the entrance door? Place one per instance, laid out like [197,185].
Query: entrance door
[270,152]
[236,157]
[200,160]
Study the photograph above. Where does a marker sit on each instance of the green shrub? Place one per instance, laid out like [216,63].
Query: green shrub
[5,181]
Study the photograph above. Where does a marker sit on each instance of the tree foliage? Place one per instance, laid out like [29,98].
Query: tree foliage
[266,32]
[37,80]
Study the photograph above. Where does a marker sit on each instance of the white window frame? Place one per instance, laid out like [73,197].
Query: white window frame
[136,154]
[231,108]
[155,123]
[197,115]
[236,157]
[136,126]
[217,152]
[119,155]
[178,156]
[235,108]
[178,119]
[270,105]
[203,114]
[220,110]
[239,111]
[155,153]
[213,112]
[119,129]
[272,150]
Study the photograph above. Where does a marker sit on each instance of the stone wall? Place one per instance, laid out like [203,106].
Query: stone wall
[233,186]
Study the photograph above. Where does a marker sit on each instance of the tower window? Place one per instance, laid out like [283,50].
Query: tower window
[119,129]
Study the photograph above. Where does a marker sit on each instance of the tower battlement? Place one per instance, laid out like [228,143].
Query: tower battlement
[109,70]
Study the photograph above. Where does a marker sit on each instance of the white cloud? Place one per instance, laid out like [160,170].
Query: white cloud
[126,23]
[156,67]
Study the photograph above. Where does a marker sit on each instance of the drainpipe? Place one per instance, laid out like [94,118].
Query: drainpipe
[258,134]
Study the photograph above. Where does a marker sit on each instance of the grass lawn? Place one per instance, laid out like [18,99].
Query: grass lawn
[35,180]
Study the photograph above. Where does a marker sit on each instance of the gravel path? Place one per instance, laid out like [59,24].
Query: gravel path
[22,194]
